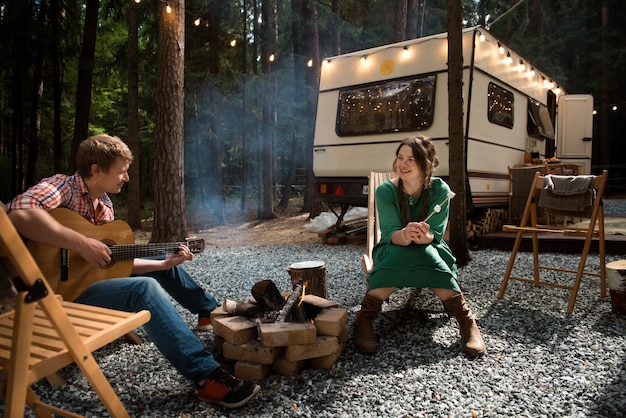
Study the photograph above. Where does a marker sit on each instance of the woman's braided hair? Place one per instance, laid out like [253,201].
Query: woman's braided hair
[425,156]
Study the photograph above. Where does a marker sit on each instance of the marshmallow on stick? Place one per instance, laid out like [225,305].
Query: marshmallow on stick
[437,208]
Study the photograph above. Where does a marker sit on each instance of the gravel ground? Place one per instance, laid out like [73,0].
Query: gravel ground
[540,362]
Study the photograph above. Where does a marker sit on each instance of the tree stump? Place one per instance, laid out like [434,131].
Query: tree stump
[616,282]
[311,272]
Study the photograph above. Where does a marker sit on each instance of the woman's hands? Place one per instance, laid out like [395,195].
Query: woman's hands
[417,232]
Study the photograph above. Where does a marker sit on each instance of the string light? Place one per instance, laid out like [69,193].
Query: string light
[614,107]
[168,9]
[309,63]
[272,57]
[197,22]
[137,1]
[535,78]
[501,49]
[233,43]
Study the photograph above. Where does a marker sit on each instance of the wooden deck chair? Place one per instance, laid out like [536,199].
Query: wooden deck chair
[44,334]
[568,205]
[373,226]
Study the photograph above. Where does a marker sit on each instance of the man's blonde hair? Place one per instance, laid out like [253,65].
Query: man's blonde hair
[102,150]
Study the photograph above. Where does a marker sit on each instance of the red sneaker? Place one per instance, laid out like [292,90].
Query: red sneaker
[227,390]
[204,323]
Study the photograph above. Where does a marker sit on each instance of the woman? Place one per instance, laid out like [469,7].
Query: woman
[413,211]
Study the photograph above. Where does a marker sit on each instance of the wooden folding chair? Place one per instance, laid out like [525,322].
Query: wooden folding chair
[520,181]
[567,205]
[373,226]
[44,334]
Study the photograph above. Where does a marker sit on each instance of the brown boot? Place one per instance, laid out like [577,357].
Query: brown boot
[473,343]
[363,332]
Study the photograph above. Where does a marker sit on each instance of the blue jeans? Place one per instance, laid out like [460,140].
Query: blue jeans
[166,328]
[184,289]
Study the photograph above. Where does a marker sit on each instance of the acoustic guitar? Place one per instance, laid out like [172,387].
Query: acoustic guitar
[69,274]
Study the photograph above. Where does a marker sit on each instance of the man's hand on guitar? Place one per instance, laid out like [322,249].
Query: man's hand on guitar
[143,265]
[181,256]
[95,252]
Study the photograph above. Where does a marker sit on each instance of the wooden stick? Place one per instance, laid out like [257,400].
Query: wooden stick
[291,303]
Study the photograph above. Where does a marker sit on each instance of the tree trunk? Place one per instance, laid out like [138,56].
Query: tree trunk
[298,76]
[266,162]
[605,134]
[214,137]
[169,184]
[336,34]
[457,163]
[57,83]
[85,76]
[34,135]
[243,136]
[134,185]
[400,18]
[312,76]
[21,15]
[412,16]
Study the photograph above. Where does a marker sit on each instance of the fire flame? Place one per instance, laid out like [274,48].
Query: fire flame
[303,293]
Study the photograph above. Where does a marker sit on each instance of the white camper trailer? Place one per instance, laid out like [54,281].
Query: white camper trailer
[372,99]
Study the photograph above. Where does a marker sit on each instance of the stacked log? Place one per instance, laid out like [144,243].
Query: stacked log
[286,348]
[491,221]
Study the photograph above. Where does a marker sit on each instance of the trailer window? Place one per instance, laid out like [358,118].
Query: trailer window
[539,121]
[392,106]
[500,106]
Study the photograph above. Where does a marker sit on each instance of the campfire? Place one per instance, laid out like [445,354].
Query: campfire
[282,333]
[268,305]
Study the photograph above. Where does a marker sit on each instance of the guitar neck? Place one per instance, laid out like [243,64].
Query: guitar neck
[130,251]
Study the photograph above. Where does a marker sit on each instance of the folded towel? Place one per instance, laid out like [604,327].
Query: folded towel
[568,185]
[569,193]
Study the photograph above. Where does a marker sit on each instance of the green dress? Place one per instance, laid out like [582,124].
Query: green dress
[417,265]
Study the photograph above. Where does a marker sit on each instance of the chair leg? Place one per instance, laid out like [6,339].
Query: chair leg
[535,241]
[509,267]
[133,338]
[17,382]
[41,409]
[602,251]
[56,380]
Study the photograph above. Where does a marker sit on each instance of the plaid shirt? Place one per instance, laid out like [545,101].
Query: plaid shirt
[63,191]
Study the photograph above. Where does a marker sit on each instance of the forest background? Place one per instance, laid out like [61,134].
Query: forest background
[238,101]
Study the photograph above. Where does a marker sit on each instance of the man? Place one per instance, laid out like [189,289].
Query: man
[102,168]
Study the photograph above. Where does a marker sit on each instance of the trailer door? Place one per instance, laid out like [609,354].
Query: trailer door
[575,129]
